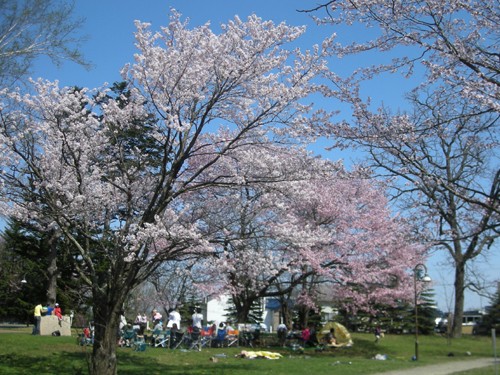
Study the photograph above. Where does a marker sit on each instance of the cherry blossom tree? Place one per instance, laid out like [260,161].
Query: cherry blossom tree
[350,238]
[311,223]
[240,215]
[452,42]
[441,158]
[442,161]
[109,169]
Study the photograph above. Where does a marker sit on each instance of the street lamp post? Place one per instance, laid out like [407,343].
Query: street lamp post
[417,277]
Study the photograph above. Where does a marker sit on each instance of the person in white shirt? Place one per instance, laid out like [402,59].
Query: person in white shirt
[142,321]
[174,318]
[123,321]
[197,319]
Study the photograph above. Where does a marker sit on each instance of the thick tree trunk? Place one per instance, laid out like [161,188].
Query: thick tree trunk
[242,309]
[459,300]
[104,349]
[107,308]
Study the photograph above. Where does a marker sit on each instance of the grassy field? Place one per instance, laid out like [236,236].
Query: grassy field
[22,353]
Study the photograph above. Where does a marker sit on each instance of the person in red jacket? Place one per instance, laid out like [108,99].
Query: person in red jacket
[306,335]
[58,312]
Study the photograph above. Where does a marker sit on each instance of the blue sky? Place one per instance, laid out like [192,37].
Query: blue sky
[109,26]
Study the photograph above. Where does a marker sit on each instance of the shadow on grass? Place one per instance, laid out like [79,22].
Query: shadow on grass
[58,363]
[76,363]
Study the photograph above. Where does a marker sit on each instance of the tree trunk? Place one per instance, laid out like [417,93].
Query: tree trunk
[52,268]
[107,308]
[104,349]
[286,314]
[303,316]
[243,308]
[459,299]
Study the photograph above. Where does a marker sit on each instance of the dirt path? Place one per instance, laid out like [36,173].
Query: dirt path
[445,368]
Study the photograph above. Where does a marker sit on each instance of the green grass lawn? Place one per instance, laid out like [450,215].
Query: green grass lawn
[22,353]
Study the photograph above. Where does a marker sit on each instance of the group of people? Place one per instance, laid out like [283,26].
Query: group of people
[217,333]
[173,320]
[41,310]
[307,336]
[173,324]
[141,323]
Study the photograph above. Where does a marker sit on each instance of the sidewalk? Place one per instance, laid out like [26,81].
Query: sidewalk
[445,368]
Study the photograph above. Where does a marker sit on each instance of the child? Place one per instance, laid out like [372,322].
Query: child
[378,334]
[58,312]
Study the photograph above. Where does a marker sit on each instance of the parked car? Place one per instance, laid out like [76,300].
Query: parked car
[259,326]
[251,327]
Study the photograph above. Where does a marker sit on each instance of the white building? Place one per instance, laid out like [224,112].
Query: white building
[216,309]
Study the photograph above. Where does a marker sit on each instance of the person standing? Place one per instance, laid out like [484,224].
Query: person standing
[221,335]
[378,333]
[48,310]
[174,318]
[282,332]
[38,318]
[123,321]
[197,319]
[156,317]
[306,336]
[142,321]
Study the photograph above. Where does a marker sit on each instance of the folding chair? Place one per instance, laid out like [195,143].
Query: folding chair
[256,338]
[195,339]
[183,342]
[232,338]
[176,339]
[206,339]
[251,339]
[139,343]
[154,336]
[162,339]
[127,337]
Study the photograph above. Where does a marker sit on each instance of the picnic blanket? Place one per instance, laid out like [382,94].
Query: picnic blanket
[259,354]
